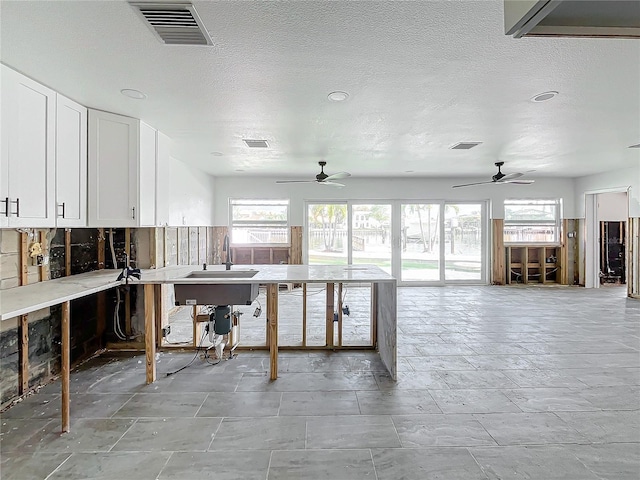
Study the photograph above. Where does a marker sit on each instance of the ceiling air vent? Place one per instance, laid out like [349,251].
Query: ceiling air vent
[255,143]
[465,145]
[174,23]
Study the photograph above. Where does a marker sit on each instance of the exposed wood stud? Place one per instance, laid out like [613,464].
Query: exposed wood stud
[66,364]
[102,296]
[23,385]
[340,314]
[67,252]
[374,314]
[498,252]
[295,255]
[564,254]
[329,315]
[127,295]
[150,331]
[161,318]
[43,269]
[304,314]
[24,258]
[195,335]
[272,319]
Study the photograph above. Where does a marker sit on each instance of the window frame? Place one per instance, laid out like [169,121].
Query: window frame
[556,224]
[258,202]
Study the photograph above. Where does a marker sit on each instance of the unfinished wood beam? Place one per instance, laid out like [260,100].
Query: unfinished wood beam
[102,296]
[24,258]
[563,259]
[304,314]
[127,295]
[23,330]
[295,253]
[150,331]
[374,314]
[67,252]
[340,314]
[43,267]
[65,363]
[272,319]
[329,314]
[497,252]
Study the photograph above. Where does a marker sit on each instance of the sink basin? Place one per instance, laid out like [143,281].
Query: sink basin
[217,293]
[222,274]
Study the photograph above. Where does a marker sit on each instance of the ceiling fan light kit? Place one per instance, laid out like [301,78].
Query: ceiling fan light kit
[500,178]
[322,178]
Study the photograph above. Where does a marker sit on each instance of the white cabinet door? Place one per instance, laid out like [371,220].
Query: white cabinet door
[71,163]
[28,152]
[114,143]
[163,180]
[147,175]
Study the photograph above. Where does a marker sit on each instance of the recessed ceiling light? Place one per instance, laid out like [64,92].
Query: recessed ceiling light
[543,97]
[338,96]
[464,145]
[217,154]
[131,93]
[635,146]
[409,171]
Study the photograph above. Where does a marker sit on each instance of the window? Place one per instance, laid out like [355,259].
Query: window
[259,222]
[531,221]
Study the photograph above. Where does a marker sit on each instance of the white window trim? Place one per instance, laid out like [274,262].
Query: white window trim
[556,224]
[257,202]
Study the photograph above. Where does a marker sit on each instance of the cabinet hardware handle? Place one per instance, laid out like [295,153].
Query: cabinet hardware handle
[133,213]
[63,204]
[17,212]
[6,206]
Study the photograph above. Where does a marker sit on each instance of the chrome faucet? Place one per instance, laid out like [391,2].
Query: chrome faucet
[226,248]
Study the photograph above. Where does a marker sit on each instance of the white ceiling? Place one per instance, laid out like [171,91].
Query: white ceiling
[421,76]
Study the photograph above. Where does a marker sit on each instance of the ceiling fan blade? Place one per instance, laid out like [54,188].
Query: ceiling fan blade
[470,184]
[519,182]
[511,176]
[337,176]
[331,184]
[295,181]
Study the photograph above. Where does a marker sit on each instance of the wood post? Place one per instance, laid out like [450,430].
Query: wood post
[150,331]
[340,314]
[374,314]
[295,255]
[67,252]
[160,317]
[43,268]
[329,314]
[66,364]
[497,252]
[23,325]
[272,319]
[304,314]
[563,261]
[102,296]
[127,295]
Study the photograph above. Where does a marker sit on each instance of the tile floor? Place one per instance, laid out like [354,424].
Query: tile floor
[495,383]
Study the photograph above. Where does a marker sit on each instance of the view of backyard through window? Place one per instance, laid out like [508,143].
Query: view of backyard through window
[531,221]
[259,221]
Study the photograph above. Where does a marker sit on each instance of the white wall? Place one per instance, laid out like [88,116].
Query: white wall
[186,195]
[622,179]
[387,189]
[612,207]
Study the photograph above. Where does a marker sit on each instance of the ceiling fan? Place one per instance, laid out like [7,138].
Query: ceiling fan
[501,178]
[322,178]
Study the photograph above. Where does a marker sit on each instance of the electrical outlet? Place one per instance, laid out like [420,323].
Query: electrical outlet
[166,331]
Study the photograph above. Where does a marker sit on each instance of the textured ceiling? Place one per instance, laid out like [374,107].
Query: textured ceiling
[421,76]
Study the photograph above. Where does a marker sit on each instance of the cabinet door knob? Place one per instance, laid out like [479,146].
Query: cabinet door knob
[17,212]
[133,212]
[6,206]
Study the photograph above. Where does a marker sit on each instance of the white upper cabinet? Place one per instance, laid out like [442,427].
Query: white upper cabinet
[71,163]
[122,170]
[27,171]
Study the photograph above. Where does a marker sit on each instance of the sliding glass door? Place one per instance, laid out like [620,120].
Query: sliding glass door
[420,243]
[371,235]
[464,242]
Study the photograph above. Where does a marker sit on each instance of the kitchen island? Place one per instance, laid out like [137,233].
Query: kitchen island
[383,300]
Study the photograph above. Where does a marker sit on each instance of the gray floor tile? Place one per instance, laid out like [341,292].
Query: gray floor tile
[241,404]
[111,466]
[499,362]
[85,435]
[606,378]
[43,405]
[228,465]
[528,428]
[169,434]
[477,379]
[310,403]
[308,382]
[397,402]
[426,464]
[410,381]
[613,398]
[162,405]
[15,432]
[361,431]
[321,465]
[440,430]
[36,466]
[607,426]
[473,401]
[543,378]
[546,462]
[89,405]
[549,400]
[267,433]
[615,461]
[440,362]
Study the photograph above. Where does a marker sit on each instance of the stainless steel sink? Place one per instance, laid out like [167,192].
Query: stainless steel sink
[222,274]
[217,293]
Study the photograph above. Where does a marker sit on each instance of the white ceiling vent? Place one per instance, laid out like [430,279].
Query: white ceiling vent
[465,145]
[174,23]
[255,143]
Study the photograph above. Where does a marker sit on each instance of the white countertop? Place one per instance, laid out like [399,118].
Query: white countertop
[272,274]
[29,298]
